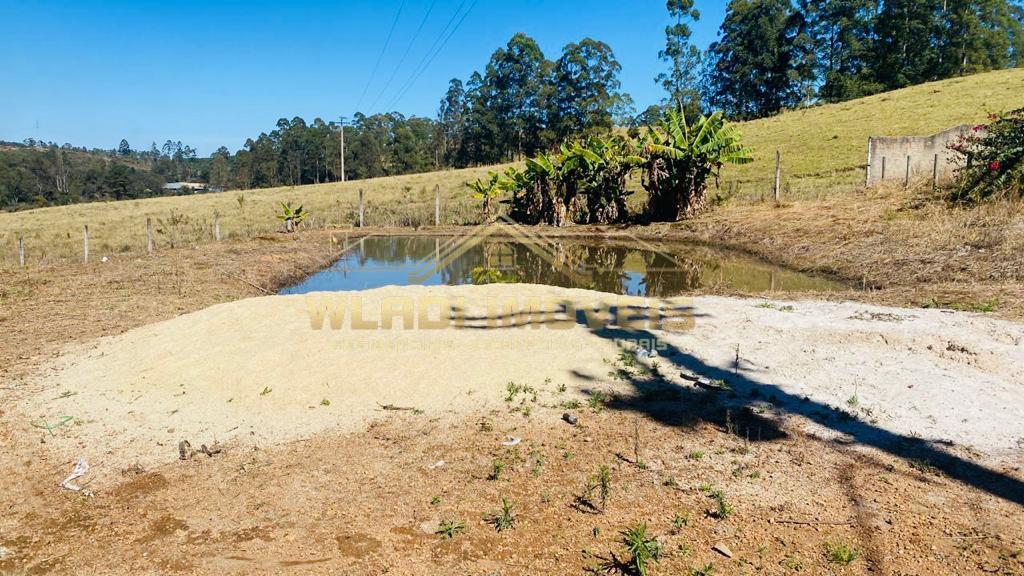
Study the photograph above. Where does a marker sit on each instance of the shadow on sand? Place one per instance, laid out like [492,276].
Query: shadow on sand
[676,405]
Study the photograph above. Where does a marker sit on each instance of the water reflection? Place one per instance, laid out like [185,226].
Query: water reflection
[662,271]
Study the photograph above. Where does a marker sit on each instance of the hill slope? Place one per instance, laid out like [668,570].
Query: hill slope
[823,150]
[826,146]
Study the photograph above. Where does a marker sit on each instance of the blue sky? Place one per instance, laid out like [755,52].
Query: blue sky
[214,73]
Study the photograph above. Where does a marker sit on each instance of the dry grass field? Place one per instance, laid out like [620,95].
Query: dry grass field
[823,150]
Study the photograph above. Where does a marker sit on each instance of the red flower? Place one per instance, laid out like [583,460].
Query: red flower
[994,166]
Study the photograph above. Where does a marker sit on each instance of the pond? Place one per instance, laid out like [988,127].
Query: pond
[637,268]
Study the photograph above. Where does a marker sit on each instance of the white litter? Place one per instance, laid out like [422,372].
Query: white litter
[512,441]
[80,470]
[104,259]
[437,464]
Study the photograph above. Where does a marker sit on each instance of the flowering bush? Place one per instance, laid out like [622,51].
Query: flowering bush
[992,157]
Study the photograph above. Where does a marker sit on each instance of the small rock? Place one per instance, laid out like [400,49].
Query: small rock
[722,549]
[571,419]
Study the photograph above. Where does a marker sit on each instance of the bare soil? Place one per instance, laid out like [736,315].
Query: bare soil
[369,500]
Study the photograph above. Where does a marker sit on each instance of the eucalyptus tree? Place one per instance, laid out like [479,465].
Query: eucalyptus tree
[681,80]
[842,32]
[587,96]
[763,61]
[451,122]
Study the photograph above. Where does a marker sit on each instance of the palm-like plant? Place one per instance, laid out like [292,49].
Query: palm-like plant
[292,217]
[680,159]
[486,190]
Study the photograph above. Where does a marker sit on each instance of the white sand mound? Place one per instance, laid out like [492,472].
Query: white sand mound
[255,372]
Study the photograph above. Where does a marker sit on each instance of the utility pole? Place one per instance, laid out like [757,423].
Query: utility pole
[341,138]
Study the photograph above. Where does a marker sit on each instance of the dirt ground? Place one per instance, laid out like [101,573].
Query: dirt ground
[794,483]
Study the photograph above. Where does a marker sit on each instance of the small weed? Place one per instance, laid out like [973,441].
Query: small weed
[503,520]
[792,563]
[680,521]
[723,509]
[604,484]
[924,467]
[853,401]
[570,405]
[325,402]
[705,570]
[601,483]
[670,482]
[450,529]
[840,553]
[497,467]
[705,487]
[538,464]
[597,400]
[596,531]
[642,548]
[628,359]
[436,500]
[772,306]
[561,389]
[486,425]
[266,390]
[696,455]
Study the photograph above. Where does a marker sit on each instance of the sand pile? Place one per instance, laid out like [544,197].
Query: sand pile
[255,372]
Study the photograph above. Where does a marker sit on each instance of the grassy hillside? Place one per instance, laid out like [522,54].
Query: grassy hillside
[823,150]
[825,147]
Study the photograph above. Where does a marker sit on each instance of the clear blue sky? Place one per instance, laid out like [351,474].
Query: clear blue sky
[214,73]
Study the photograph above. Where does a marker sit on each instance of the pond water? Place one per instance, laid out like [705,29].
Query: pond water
[637,268]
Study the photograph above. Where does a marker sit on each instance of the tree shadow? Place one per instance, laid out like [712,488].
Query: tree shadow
[735,408]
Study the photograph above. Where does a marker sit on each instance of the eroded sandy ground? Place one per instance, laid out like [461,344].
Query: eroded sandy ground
[897,431]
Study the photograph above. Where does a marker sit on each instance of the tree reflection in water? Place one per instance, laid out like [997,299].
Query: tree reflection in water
[614,267]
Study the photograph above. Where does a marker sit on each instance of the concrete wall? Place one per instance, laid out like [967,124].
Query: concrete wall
[921,150]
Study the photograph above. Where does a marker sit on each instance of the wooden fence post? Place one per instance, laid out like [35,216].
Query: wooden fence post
[149,235]
[935,172]
[360,207]
[867,168]
[883,167]
[216,226]
[437,204]
[85,243]
[906,180]
[778,175]
[21,251]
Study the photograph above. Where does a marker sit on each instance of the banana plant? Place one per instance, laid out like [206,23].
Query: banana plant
[486,190]
[680,159]
[292,217]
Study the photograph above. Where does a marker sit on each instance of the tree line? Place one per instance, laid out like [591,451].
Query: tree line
[776,54]
[35,173]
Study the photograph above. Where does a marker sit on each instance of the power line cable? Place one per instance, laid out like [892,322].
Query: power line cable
[408,48]
[380,57]
[437,42]
[423,67]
